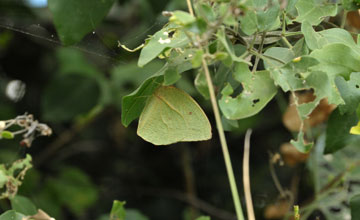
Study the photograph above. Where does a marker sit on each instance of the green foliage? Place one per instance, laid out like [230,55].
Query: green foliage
[11,215]
[74,19]
[23,205]
[64,97]
[355,207]
[118,211]
[337,132]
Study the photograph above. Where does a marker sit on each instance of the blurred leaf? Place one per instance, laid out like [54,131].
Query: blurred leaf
[7,135]
[134,103]
[355,207]
[11,215]
[350,5]
[337,132]
[314,11]
[73,188]
[68,96]
[74,19]
[349,91]
[171,116]
[205,11]
[161,40]
[73,61]
[118,211]
[133,214]
[182,18]
[258,90]
[203,218]
[23,205]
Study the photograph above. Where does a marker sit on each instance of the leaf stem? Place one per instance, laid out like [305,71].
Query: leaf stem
[229,169]
[343,19]
[246,177]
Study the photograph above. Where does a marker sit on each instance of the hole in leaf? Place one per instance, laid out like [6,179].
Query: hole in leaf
[255,101]
[171,34]
[237,91]
[357,86]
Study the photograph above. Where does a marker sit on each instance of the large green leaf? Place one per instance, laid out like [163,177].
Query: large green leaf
[313,11]
[317,40]
[257,90]
[337,132]
[336,59]
[260,16]
[23,205]
[74,19]
[355,207]
[350,92]
[11,215]
[70,95]
[134,103]
[170,36]
[171,116]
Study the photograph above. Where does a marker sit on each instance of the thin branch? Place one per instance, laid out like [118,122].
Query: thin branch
[190,7]
[223,142]
[246,177]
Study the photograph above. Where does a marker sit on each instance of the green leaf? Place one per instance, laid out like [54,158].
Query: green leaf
[118,210]
[258,90]
[201,84]
[314,11]
[133,214]
[350,5]
[168,37]
[336,59]
[355,206]
[134,103]
[249,22]
[337,132]
[269,19]
[7,135]
[74,189]
[3,176]
[11,215]
[171,76]
[171,116]
[23,205]
[182,18]
[349,91]
[205,11]
[74,19]
[203,218]
[300,145]
[222,37]
[317,40]
[70,95]
[313,39]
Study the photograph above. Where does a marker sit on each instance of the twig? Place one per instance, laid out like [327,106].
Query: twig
[190,7]
[246,177]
